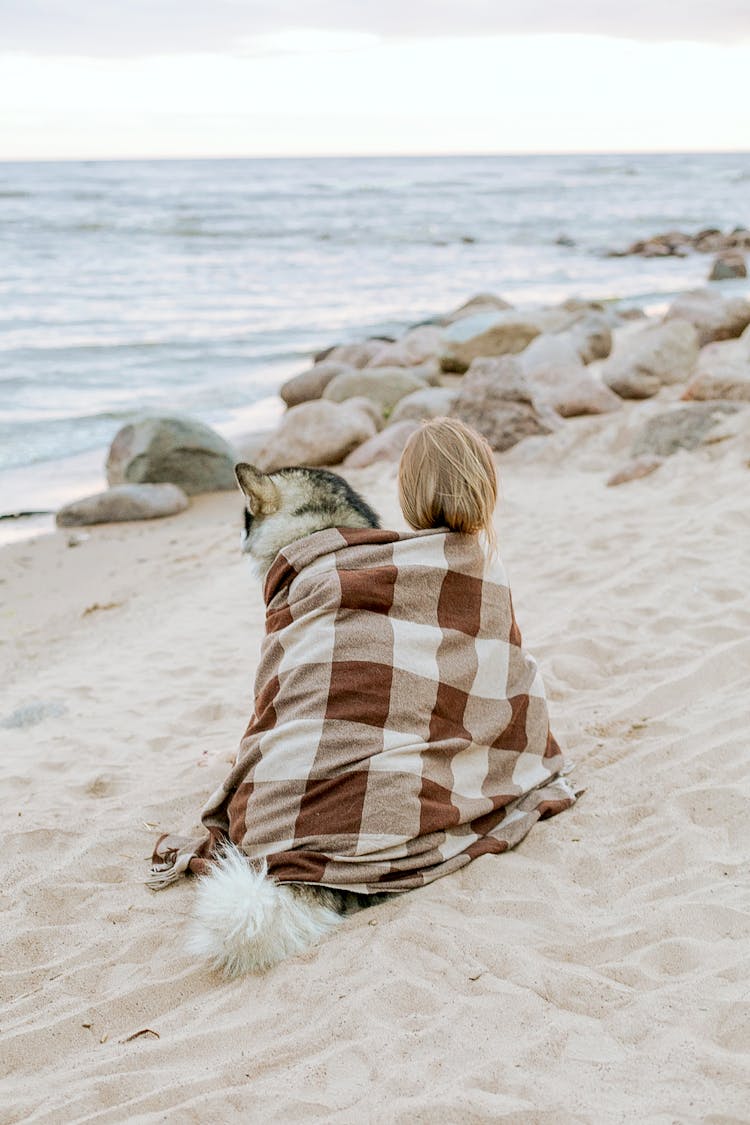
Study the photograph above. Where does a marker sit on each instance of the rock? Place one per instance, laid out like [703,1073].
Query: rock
[124,502]
[726,265]
[572,390]
[715,316]
[480,303]
[592,336]
[386,446]
[383,385]
[417,346]
[370,408]
[712,240]
[547,349]
[558,378]
[496,400]
[656,249]
[678,243]
[661,245]
[172,449]
[248,447]
[320,432]
[635,469]
[310,384]
[510,332]
[504,373]
[723,371]
[429,372]
[354,355]
[584,341]
[582,305]
[486,334]
[656,356]
[685,427]
[431,402]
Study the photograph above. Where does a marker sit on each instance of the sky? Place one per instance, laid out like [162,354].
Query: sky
[148,78]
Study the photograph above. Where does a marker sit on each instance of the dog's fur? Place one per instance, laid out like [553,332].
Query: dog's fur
[244,921]
[289,504]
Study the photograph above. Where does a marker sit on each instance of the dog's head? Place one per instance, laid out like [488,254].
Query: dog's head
[289,504]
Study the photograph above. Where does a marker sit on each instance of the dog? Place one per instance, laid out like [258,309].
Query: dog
[290,504]
[244,921]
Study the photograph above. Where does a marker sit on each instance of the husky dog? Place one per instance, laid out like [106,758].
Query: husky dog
[289,504]
[243,920]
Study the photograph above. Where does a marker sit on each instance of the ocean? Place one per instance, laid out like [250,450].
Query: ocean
[199,285]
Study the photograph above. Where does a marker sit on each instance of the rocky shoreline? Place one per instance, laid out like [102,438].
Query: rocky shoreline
[729,248]
[510,373]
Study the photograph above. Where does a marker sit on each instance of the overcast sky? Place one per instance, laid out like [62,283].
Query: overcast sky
[88,78]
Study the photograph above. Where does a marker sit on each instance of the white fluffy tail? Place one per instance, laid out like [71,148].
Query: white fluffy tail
[244,922]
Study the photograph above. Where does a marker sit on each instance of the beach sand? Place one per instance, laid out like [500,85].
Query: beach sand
[598,973]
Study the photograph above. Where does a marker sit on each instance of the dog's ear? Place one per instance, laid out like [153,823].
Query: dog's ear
[262,494]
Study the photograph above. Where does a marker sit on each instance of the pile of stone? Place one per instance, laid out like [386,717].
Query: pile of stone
[728,247]
[154,464]
[510,373]
[678,243]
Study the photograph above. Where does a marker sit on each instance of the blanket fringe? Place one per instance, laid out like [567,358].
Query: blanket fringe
[164,874]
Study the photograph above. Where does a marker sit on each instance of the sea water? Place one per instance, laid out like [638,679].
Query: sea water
[199,285]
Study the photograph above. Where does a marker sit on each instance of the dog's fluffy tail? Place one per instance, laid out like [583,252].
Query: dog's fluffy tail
[244,922]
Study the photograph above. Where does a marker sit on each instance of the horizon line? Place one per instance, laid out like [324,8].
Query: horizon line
[373,155]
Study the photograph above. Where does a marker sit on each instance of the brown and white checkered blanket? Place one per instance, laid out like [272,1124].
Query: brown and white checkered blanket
[400,729]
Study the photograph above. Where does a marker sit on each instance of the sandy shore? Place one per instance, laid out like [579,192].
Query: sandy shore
[597,974]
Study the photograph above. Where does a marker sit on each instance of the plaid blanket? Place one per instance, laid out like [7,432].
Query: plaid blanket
[400,729]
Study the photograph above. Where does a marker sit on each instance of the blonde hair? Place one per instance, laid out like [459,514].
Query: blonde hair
[447,478]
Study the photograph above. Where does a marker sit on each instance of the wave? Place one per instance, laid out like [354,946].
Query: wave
[32,441]
[355,234]
[249,349]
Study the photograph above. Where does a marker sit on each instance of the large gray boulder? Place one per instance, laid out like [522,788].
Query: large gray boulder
[486,334]
[723,371]
[645,361]
[685,427]
[496,400]
[173,449]
[316,433]
[385,446]
[715,316]
[124,502]
[419,406]
[310,384]
[383,385]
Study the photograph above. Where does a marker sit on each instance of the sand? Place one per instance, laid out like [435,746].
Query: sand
[599,973]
